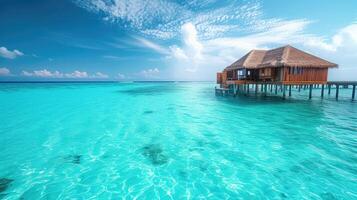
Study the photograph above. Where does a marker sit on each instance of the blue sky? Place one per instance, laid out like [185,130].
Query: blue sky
[166,40]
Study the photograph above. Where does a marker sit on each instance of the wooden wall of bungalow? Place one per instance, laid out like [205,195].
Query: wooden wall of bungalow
[286,75]
[296,75]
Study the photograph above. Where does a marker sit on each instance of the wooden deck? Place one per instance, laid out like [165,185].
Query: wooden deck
[244,86]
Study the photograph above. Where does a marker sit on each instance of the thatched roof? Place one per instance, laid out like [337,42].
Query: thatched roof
[279,57]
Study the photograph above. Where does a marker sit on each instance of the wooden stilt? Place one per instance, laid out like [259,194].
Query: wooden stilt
[256,89]
[329,89]
[310,92]
[299,88]
[289,90]
[261,87]
[248,89]
[276,89]
[265,89]
[353,92]
[337,90]
[322,90]
[284,92]
[271,88]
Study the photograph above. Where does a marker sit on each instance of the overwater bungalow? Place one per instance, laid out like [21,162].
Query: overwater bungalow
[280,67]
[285,65]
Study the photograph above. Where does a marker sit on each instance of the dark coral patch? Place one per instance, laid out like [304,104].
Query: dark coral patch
[327,196]
[5,183]
[283,195]
[183,174]
[148,112]
[151,90]
[155,154]
[74,159]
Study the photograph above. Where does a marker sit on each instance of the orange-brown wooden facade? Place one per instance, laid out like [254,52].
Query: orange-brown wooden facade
[283,75]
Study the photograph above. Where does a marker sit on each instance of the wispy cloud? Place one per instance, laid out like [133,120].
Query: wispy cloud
[75,41]
[150,73]
[77,74]
[4,52]
[151,45]
[100,75]
[121,76]
[113,57]
[45,73]
[163,19]
[4,71]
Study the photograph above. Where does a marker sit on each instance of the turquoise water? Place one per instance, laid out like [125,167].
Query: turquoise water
[173,141]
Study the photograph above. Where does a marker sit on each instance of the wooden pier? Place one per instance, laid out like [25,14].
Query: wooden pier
[244,87]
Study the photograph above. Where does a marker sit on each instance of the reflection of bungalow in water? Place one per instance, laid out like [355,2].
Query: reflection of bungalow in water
[285,65]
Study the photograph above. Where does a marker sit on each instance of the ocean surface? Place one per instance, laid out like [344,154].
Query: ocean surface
[173,141]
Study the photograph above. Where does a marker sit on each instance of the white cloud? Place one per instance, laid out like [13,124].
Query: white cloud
[26,73]
[151,45]
[285,32]
[44,73]
[77,74]
[121,76]
[112,57]
[163,18]
[189,55]
[150,73]
[4,71]
[100,75]
[345,40]
[4,52]
[193,46]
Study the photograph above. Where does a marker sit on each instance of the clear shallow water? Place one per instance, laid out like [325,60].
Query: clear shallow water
[173,141]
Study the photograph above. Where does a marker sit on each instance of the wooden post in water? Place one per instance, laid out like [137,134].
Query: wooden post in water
[353,92]
[322,90]
[261,87]
[248,89]
[265,89]
[276,89]
[299,88]
[289,90]
[337,90]
[271,88]
[329,89]
[256,89]
[284,92]
[310,92]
